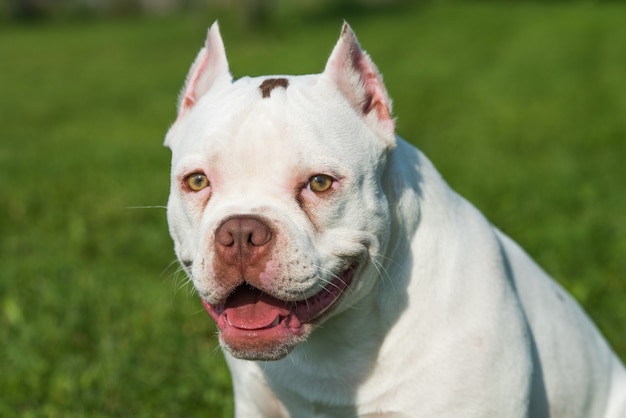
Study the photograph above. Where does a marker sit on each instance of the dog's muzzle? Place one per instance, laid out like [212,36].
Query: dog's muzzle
[253,323]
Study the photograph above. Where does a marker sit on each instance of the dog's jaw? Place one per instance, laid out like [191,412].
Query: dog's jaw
[257,326]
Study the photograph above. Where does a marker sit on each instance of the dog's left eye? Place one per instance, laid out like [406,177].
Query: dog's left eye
[320,183]
[197,182]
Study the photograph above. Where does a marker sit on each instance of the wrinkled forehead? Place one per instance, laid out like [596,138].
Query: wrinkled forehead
[273,117]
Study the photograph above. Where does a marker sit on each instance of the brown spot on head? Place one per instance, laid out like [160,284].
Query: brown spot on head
[270,84]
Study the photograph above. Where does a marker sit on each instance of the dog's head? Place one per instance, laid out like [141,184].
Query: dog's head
[276,207]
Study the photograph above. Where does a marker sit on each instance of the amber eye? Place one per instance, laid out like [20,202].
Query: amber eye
[320,183]
[197,182]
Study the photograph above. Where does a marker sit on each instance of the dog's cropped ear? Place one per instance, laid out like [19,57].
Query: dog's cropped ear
[209,67]
[358,79]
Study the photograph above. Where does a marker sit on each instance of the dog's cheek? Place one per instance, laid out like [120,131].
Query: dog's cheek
[328,209]
[181,230]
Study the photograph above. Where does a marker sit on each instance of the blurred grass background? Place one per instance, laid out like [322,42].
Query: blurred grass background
[522,106]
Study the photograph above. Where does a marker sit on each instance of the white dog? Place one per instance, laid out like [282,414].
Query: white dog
[320,240]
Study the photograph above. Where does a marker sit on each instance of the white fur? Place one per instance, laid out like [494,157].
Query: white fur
[448,317]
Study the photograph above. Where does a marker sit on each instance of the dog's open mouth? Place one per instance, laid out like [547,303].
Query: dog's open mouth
[250,314]
[248,308]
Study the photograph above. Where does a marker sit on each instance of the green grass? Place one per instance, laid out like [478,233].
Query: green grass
[521,108]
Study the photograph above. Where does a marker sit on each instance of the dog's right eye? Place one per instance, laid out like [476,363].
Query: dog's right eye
[197,182]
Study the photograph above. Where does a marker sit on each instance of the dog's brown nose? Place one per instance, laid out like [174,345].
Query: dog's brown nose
[242,241]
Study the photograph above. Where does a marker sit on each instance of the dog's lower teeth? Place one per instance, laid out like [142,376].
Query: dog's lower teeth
[276,322]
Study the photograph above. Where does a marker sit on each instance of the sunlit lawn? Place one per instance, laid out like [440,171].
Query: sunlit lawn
[522,108]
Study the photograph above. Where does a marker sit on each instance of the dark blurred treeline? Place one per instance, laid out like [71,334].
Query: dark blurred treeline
[255,11]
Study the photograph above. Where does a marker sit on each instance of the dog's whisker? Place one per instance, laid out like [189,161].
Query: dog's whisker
[173,262]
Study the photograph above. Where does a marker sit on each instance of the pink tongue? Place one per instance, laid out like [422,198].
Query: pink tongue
[251,309]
